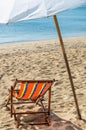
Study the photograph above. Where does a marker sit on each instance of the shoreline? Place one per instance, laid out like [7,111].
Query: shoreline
[44,60]
[37,41]
[46,45]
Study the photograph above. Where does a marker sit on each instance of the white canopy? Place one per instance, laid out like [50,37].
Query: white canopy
[12,11]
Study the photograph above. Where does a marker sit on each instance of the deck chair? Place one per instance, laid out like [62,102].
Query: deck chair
[25,92]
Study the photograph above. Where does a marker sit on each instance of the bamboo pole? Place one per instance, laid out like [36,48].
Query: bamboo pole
[67,65]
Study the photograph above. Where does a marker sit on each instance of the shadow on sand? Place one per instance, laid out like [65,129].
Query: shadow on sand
[56,123]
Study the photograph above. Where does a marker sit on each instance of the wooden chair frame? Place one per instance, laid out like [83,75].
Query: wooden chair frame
[45,112]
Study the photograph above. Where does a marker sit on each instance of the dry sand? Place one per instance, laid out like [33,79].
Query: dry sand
[44,60]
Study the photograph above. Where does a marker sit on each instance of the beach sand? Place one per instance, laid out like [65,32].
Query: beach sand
[44,60]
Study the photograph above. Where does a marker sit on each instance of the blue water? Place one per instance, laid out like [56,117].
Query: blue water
[72,24]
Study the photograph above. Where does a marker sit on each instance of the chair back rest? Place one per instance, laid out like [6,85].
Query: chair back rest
[33,89]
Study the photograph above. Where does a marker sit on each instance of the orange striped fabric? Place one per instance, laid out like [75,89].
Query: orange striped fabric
[32,90]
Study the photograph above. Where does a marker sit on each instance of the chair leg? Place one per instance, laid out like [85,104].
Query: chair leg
[13,110]
[49,100]
[17,124]
[16,120]
[14,113]
[46,116]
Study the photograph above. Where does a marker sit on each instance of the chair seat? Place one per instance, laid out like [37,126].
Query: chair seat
[32,90]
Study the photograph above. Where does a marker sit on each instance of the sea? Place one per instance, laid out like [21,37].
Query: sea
[72,24]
